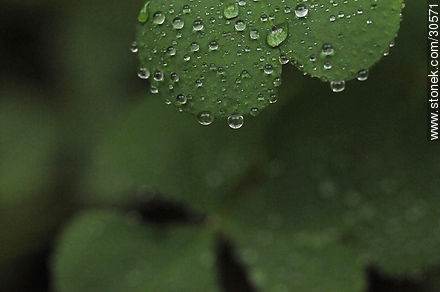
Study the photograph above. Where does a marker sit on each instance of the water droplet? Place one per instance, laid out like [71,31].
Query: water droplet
[213,46]
[268,69]
[240,25]
[159,18]
[194,47]
[198,25]
[158,76]
[231,11]
[278,35]
[337,86]
[181,99]
[205,118]
[186,9]
[134,47]
[175,77]
[301,10]
[178,23]
[327,50]
[363,75]
[144,73]
[235,121]
[254,34]
[143,14]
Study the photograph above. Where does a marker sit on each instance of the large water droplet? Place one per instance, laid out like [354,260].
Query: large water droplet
[327,50]
[231,11]
[254,34]
[235,121]
[278,35]
[143,14]
[159,18]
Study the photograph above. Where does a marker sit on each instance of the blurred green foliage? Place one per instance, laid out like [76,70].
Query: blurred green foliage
[311,193]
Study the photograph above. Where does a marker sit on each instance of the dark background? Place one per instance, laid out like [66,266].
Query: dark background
[68,67]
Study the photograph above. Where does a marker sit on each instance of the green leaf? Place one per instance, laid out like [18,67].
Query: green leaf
[337,39]
[368,173]
[175,156]
[109,251]
[204,63]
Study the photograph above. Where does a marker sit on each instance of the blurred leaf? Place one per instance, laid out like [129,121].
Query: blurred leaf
[222,67]
[109,251]
[174,155]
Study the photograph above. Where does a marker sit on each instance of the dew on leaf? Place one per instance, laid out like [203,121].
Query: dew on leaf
[144,73]
[143,14]
[231,11]
[240,25]
[254,34]
[198,25]
[178,23]
[278,35]
[327,50]
[159,18]
[301,10]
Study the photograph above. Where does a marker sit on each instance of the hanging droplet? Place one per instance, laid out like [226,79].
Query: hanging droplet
[363,75]
[278,35]
[235,121]
[301,10]
[231,11]
[205,118]
[337,86]
[134,47]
